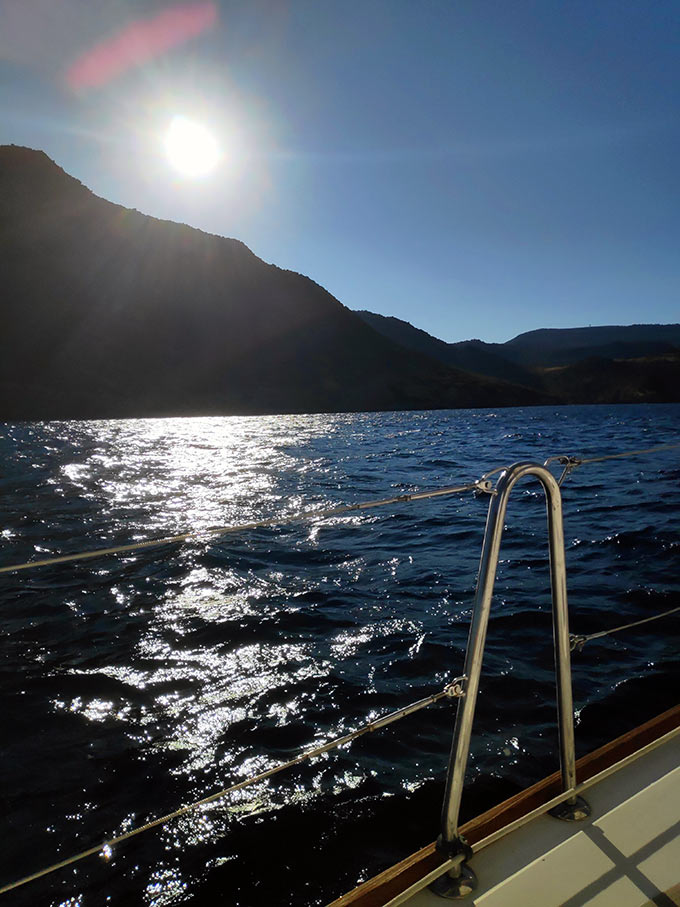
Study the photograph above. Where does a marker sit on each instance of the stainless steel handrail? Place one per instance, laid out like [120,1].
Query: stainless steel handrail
[450,841]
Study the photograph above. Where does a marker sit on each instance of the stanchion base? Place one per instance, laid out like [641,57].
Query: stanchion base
[576,811]
[455,888]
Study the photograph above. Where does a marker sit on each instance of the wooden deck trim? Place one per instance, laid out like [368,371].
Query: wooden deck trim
[380,889]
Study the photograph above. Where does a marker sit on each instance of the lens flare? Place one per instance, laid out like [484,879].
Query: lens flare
[191,148]
[140,42]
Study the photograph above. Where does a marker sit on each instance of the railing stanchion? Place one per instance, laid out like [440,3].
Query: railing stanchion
[460,881]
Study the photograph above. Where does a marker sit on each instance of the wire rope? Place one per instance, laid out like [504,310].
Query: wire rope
[452,690]
[215,531]
[579,641]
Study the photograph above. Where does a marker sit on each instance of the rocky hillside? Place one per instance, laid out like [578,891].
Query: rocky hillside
[108,312]
[648,379]
[548,347]
[611,364]
[469,355]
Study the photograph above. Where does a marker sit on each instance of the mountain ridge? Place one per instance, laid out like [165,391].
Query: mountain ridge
[109,312]
[575,365]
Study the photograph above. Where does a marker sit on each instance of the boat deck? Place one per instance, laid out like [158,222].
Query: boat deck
[626,854]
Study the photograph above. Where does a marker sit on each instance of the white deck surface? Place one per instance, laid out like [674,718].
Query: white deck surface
[627,854]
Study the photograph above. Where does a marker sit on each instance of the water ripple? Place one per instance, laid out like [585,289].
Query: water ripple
[132,685]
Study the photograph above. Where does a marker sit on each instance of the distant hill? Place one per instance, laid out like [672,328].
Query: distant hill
[469,355]
[650,379]
[610,364]
[107,312]
[566,346]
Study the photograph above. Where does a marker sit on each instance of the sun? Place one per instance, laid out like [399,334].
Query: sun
[191,148]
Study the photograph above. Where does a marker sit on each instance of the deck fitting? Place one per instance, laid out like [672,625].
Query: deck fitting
[574,810]
[454,888]
[459,880]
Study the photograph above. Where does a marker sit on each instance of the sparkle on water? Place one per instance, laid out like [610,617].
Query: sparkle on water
[166,675]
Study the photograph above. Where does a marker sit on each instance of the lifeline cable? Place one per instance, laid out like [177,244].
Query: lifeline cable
[629,453]
[577,641]
[215,531]
[452,690]
[572,463]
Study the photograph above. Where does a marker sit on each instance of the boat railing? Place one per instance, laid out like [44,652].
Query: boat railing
[460,879]
[453,878]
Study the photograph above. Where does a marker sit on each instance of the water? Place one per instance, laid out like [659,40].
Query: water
[131,685]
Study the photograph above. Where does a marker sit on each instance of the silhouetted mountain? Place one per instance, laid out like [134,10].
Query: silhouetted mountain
[566,346]
[652,379]
[108,312]
[469,355]
[611,364]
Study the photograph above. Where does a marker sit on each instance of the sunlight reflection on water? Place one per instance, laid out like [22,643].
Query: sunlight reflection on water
[161,677]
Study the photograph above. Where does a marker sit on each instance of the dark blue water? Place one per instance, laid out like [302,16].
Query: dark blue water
[131,685]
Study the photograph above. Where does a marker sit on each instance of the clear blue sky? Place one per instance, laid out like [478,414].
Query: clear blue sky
[477,168]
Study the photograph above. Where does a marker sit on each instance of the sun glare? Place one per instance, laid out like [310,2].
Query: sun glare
[191,149]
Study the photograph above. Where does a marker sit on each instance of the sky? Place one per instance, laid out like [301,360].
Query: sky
[479,168]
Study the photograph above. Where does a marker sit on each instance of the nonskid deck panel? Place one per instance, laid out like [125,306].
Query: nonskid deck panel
[392,883]
[626,855]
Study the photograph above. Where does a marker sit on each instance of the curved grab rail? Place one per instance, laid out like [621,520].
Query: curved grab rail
[450,841]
